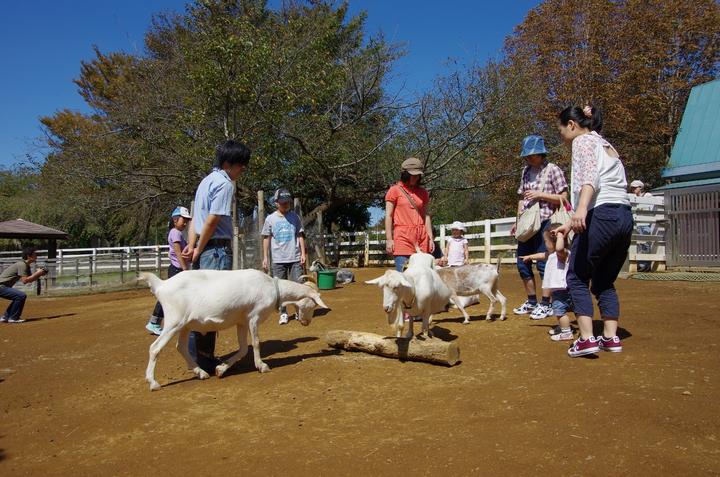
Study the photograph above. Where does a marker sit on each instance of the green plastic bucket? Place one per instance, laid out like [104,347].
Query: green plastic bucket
[326,279]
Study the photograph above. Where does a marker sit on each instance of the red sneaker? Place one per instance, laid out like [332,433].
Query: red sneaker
[612,345]
[583,347]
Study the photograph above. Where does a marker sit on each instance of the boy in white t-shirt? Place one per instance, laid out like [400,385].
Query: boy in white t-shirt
[456,249]
[284,241]
[556,267]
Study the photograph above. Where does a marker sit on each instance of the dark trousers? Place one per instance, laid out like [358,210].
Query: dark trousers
[158,313]
[202,346]
[535,244]
[596,258]
[17,301]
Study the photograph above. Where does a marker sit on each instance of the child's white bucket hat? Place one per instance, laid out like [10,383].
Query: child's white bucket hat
[458,225]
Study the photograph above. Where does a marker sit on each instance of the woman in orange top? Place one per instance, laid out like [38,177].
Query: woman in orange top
[407,221]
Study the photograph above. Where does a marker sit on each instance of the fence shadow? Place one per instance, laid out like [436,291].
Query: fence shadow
[461,318]
[51,317]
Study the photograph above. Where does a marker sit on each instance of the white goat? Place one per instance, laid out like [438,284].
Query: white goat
[212,300]
[418,290]
[468,281]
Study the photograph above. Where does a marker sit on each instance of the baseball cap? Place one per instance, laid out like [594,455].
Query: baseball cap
[413,165]
[282,195]
[637,183]
[181,212]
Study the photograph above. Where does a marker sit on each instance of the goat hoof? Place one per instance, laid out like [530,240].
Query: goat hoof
[220,370]
[155,386]
[488,318]
[503,318]
[264,368]
[201,373]
[466,322]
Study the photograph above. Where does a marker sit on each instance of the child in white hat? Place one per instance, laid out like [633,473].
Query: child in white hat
[179,220]
[456,249]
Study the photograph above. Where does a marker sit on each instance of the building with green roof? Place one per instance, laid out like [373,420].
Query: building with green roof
[692,192]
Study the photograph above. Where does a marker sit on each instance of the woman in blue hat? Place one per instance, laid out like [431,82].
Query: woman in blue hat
[544,183]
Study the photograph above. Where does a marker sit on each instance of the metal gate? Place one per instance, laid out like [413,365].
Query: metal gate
[694,226]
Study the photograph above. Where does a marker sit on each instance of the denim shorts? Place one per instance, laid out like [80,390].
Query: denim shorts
[562,302]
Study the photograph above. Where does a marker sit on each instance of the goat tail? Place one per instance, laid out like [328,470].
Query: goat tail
[499,261]
[153,280]
[308,280]
[417,248]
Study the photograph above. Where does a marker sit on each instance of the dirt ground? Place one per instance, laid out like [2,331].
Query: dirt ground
[74,400]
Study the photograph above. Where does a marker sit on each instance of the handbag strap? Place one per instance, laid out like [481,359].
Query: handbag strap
[543,180]
[412,202]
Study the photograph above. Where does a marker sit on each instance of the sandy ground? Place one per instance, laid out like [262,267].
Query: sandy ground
[74,400]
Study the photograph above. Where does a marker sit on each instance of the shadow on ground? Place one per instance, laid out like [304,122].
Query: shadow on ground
[51,317]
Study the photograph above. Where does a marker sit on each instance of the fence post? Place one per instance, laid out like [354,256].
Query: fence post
[77,270]
[93,262]
[235,242]
[321,234]
[129,252]
[488,240]
[367,249]
[91,265]
[59,266]
[122,266]
[442,237]
[158,259]
[137,261]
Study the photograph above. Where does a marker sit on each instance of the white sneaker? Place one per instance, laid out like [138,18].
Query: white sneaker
[16,320]
[541,311]
[3,319]
[283,319]
[524,309]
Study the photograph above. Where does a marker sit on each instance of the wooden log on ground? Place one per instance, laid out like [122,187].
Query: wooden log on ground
[430,350]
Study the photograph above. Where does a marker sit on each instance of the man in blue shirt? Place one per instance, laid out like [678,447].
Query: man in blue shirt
[210,237]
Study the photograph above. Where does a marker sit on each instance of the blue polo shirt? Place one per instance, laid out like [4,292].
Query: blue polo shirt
[214,196]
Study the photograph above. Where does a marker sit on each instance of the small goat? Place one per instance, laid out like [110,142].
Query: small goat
[418,290]
[468,281]
[344,276]
[212,300]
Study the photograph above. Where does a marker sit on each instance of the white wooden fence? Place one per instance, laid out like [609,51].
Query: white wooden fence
[647,248]
[488,239]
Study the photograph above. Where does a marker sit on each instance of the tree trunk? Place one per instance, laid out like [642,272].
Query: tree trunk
[430,350]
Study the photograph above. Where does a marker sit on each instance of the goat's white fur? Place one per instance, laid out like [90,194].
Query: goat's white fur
[212,300]
[418,290]
[469,281]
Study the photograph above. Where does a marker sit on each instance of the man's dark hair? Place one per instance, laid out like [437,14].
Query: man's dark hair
[232,152]
[27,252]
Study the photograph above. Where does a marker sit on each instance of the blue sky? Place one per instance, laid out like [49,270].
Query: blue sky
[43,42]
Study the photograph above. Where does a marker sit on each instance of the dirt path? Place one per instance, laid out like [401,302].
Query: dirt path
[74,401]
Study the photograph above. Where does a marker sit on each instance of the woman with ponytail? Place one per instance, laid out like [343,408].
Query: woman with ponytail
[603,225]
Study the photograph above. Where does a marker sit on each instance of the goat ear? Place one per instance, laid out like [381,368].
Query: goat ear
[318,301]
[405,282]
[376,281]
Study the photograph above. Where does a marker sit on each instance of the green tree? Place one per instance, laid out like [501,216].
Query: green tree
[302,86]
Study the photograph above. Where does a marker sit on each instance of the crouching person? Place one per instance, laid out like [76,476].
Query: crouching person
[9,277]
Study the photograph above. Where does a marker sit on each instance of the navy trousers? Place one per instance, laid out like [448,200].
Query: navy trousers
[596,258]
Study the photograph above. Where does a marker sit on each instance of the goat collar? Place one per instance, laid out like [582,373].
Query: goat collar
[407,307]
[277,293]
